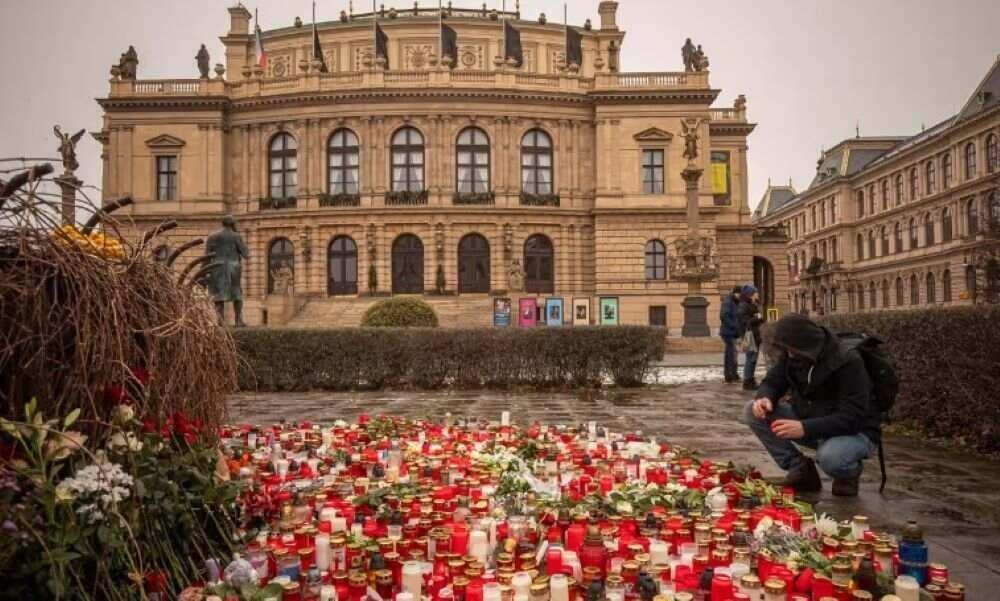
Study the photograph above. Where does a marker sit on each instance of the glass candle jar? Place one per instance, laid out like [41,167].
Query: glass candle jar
[774,590]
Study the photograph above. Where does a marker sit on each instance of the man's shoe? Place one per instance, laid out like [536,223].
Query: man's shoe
[803,477]
[750,385]
[847,487]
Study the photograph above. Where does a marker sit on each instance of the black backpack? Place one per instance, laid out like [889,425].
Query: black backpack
[885,381]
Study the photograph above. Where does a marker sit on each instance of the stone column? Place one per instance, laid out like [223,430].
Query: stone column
[68,184]
[695,305]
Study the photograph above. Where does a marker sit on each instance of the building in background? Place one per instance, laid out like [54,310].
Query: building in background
[899,222]
[462,157]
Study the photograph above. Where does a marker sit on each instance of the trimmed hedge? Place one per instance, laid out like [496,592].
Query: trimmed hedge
[400,312]
[279,360]
[949,363]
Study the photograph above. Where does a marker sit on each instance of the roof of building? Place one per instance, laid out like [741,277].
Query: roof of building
[986,96]
[774,198]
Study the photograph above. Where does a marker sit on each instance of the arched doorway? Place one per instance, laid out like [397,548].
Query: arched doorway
[473,264]
[539,275]
[342,266]
[763,279]
[407,265]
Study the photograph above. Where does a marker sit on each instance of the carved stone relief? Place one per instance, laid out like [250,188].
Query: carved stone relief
[472,56]
[280,65]
[417,56]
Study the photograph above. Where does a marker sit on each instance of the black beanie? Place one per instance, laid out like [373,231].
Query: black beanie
[800,334]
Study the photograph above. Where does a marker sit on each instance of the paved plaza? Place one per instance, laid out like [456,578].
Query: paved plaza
[952,496]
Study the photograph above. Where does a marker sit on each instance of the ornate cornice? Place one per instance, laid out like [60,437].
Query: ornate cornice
[391,95]
[705,96]
[731,129]
[210,103]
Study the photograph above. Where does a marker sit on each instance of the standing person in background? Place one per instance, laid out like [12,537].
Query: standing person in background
[750,321]
[729,331]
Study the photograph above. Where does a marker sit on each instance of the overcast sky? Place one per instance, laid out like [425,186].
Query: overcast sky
[811,69]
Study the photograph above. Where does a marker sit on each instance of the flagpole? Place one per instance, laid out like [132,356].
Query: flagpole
[314,30]
[440,32]
[503,30]
[374,36]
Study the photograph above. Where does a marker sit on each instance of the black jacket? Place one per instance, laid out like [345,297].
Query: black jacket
[748,311]
[832,397]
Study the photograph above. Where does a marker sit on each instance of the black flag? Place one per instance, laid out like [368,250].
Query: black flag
[512,44]
[449,44]
[574,47]
[318,50]
[381,45]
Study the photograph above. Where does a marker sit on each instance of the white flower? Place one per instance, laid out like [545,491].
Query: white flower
[125,441]
[623,507]
[763,526]
[124,413]
[826,525]
[98,487]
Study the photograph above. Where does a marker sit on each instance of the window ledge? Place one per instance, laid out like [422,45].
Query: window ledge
[539,200]
[481,198]
[277,204]
[339,200]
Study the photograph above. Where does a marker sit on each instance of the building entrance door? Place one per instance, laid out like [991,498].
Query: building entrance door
[407,265]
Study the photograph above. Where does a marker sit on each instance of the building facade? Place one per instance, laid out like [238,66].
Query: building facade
[899,222]
[355,174]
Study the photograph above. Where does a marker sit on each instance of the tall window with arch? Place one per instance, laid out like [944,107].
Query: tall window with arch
[873,295]
[947,171]
[914,238]
[343,159]
[946,225]
[931,294]
[897,237]
[914,290]
[992,153]
[883,234]
[971,286]
[860,201]
[407,160]
[280,264]
[885,294]
[822,213]
[930,176]
[885,194]
[871,245]
[970,160]
[342,266]
[283,166]
[946,286]
[993,208]
[834,249]
[859,252]
[536,163]
[928,229]
[900,294]
[871,199]
[539,270]
[861,297]
[473,264]
[899,189]
[972,216]
[914,183]
[656,260]
[472,162]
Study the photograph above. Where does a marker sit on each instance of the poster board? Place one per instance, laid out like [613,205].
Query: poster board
[581,311]
[501,312]
[609,311]
[526,308]
[554,312]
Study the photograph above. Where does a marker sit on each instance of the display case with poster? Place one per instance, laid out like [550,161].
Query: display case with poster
[554,312]
[581,311]
[526,308]
[609,311]
[501,312]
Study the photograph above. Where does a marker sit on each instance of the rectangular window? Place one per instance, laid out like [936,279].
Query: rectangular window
[652,172]
[721,179]
[166,178]
[658,316]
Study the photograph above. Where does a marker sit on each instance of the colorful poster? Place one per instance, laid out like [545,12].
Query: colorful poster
[501,312]
[581,311]
[554,312]
[526,308]
[609,311]
[720,179]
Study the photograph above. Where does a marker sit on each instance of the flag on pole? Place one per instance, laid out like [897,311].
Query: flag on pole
[449,44]
[574,44]
[317,49]
[259,44]
[381,44]
[512,44]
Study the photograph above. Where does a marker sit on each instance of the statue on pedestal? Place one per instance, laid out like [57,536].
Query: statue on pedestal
[690,133]
[229,251]
[515,276]
[67,148]
[202,59]
[687,54]
[128,64]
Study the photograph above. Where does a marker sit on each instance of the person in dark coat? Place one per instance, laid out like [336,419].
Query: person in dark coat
[729,331]
[829,407]
[751,319]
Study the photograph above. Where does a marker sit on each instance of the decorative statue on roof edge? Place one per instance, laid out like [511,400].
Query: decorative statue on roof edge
[202,59]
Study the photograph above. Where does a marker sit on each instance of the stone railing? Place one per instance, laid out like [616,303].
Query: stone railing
[167,87]
[640,81]
[727,114]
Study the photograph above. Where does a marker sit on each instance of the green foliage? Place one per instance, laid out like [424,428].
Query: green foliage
[426,358]
[400,312]
[947,360]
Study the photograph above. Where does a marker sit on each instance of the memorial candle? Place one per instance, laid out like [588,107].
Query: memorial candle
[478,545]
[322,542]
[907,588]
[413,578]
[658,552]
[558,587]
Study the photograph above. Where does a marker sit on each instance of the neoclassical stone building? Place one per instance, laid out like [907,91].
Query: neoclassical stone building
[358,175]
[899,222]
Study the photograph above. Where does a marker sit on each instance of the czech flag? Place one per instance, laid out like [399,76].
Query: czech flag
[259,49]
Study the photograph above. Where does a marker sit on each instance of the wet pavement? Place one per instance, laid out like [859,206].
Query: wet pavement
[954,497]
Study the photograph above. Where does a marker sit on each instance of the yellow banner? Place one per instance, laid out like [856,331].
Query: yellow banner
[720,178]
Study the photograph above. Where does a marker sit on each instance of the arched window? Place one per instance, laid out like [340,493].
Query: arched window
[930,289]
[536,163]
[914,240]
[834,249]
[928,229]
[872,295]
[899,189]
[343,157]
[472,161]
[861,203]
[970,282]
[946,229]
[539,272]
[408,161]
[993,207]
[871,199]
[972,216]
[885,195]
[283,166]
[946,286]
[871,244]
[884,236]
[473,264]
[929,179]
[822,250]
[885,294]
[861,297]
[656,260]
[947,173]
[900,296]
[992,153]
[342,266]
[822,213]
[970,160]
[914,290]
[914,183]
[407,265]
[897,237]
[280,262]
[860,251]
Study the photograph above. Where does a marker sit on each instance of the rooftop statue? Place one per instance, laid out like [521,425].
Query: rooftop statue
[67,148]
[203,59]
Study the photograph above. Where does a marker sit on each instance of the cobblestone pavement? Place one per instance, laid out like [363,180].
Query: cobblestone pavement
[954,497]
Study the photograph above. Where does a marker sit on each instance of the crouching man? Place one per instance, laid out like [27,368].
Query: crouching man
[829,407]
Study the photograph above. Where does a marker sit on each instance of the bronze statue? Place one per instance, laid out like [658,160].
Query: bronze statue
[687,53]
[67,148]
[229,251]
[700,60]
[202,58]
[690,134]
[128,64]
